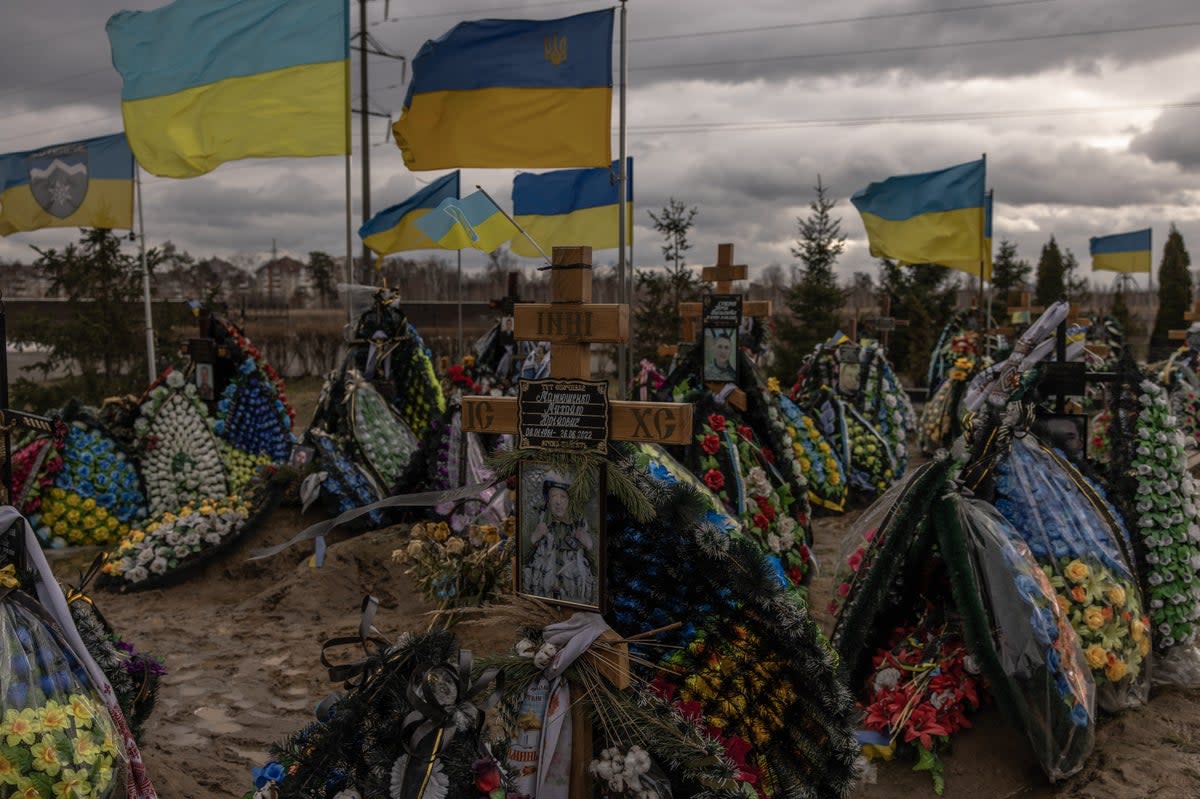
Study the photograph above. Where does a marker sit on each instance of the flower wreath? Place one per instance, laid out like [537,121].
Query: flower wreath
[180,454]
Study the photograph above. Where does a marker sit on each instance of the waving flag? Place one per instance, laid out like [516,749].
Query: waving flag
[971,265]
[395,229]
[512,93]
[926,218]
[210,81]
[571,207]
[85,183]
[1121,252]
[474,221]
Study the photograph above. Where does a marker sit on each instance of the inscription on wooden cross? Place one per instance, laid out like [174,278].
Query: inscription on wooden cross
[721,276]
[572,322]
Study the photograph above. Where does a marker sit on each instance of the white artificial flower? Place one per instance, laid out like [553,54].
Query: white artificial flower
[526,649]
[773,542]
[545,656]
[158,565]
[136,574]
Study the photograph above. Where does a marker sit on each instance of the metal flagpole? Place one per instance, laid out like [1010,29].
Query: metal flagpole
[517,225]
[458,291]
[624,294]
[150,359]
[988,320]
[349,190]
[982,258]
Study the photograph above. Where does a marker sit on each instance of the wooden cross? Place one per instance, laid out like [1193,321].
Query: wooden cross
[1188,316]
[883,324]
[572,323]
[721,276]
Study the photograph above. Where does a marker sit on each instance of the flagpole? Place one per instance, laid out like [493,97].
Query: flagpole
[349,188]
[517,225]
[988,319]
[982,258]
[625,293]
[150,359]
[458,291]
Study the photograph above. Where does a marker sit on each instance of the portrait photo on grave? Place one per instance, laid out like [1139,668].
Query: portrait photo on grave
[559,559]
[204,380]
[1065,432]
[720,354]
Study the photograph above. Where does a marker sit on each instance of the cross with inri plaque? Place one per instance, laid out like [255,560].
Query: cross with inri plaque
[721,276]
[571,322]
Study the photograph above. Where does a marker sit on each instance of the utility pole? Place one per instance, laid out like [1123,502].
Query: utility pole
[367,44]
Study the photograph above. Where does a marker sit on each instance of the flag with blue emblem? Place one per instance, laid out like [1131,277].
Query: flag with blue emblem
[474,221]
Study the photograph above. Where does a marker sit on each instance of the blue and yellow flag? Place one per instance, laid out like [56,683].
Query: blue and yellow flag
[210,81]
[474,221]
[927,218]
[1122,252]
[85,183]
[571,207]
[512,93]
[971,265]
[395,229]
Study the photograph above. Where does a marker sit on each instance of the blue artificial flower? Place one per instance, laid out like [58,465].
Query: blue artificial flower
[85,489]
[1044,628]
[1080,716]
[272,772]
[247,367]
[780,572]
[1027,586]
[661,473]
[1053,663]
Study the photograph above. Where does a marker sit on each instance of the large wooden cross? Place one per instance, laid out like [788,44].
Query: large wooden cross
[1188,316]
[721,276]
[571,322]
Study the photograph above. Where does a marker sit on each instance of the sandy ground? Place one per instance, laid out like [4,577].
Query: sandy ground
[242,642]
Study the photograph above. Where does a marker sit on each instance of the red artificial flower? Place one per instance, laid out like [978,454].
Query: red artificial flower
[870,536]
[710,444]
[716,421]
[795,574]
[745,432]
[768,455]
[691,710]
[714,479]
[855,560]
[805,553]
[487,775]
[844,589]
[662,688]
[761,521]
[832,608]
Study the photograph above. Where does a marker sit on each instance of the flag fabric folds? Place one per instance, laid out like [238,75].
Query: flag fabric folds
[930,217]
[474,221]
[1122,252]
[570,207]
[210,81]
[395,229]
[86,183]
[971,265]
[511,93]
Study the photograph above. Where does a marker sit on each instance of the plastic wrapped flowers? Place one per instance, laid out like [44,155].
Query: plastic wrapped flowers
[172,541]
[56,738]
[459,570]
[1167,520]
[181,457]
[386,442]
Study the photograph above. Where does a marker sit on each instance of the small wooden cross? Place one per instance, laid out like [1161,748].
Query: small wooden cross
[572,323]
[1188,316]
[721,276]
[885,323]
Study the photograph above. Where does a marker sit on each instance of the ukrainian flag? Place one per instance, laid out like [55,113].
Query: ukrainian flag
[1123,252]
[395,229]
[571,207]
[971,265]
[474,221]
[210,81]
[85,183]
[512,93]
[927,218]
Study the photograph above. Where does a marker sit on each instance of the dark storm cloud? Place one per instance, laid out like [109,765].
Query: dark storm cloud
[1174,138]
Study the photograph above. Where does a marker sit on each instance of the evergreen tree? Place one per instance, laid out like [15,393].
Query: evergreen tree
[1075,284]
[659,292]
[1120,311]
[1008,271]
[1174,293]
[815,298]
[99,335]
[925,295]
[321,270]
[1050,286]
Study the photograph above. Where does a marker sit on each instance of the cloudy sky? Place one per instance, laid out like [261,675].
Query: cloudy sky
[1087,110]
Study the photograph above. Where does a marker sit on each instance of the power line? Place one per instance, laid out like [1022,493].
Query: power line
[472,11]
[895,119]
[838,21]
[913,47]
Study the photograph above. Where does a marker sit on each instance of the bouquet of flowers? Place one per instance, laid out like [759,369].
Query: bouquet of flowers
[1167,522]
[1099,447]
[172,541]
[181,456]
[56,738]
[252,418]
[919,693]
[1084,550]
[459,571]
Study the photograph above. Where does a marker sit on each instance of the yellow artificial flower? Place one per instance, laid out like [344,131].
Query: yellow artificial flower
[958,375]
[418,531]
[773,385]
[54,717]
[72,500]
[45,756]
[1116,669]
[441,531]
[57,493]
[81,709]
[8,577]
[455,546]
[1093,617]
[112,523]
[73,784]
[963,363]
[61,528]
[85,748]
[1076,571]
[805,464]
[824,448]
[1116,595]
[791,431]
[89,504]
[1096,656]
[9,774]
[171,518]
[834,479]
[1137,630]
[19,726]
[26,790]
[1143,646]
[468,360]
[489,533]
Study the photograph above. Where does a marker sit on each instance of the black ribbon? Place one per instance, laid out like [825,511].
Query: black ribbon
[423,499]
[374,647]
